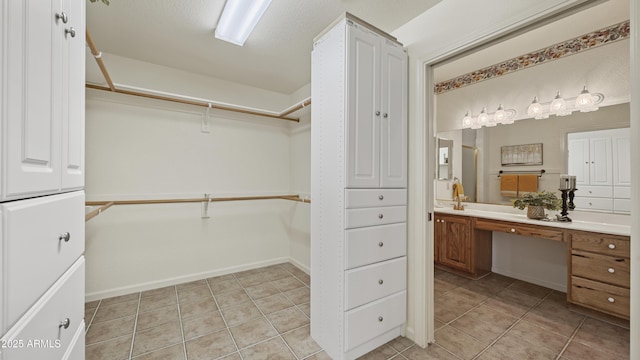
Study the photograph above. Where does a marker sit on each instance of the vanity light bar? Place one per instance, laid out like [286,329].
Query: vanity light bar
[500,116]
[584,102]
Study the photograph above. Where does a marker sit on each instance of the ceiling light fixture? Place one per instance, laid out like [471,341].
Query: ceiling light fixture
[584,102]
[238,19]
[501,116]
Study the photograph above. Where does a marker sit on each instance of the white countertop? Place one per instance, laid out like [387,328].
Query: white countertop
[582,220]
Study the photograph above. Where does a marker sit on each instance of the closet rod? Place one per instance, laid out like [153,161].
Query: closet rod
[90,215]
[172,201]
[297,107]
[98,56]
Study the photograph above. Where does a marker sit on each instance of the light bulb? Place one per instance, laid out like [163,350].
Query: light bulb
[483,117]
[500,115]
[584,101]
[535,109]
[475,123]
[466,120]
[558,105]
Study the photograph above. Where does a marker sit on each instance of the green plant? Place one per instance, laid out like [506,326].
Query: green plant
[548,200]
[106,2]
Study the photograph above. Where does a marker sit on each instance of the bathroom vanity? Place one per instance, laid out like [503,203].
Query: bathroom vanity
[598,258]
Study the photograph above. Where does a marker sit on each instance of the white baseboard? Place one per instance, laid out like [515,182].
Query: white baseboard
[185,278]
[529,279]
[300,266]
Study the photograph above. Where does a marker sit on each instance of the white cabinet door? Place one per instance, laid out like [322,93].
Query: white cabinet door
[579,160]
[621,159]
[601,168]
[33,108]
[363,112]
[73,74]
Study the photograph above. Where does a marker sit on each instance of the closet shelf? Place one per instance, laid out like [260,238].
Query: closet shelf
[106,204]
[158,95]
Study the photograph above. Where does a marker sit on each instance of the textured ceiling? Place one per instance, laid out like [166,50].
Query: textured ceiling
[277,55]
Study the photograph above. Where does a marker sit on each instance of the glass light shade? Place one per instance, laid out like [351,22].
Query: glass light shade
[558,105]
[584,101]
[466,121]
[483,117]
[508,120]
[238,19]
[475,123]
[535,109]
[500,115]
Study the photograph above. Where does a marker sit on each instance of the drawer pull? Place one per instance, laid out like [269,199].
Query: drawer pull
[380,216]
[513,230]
[65,323]
[381,244]
[612,246]
[611,270]
[380,282]
[380,318]
[611,300]
[64,236]
[380,197]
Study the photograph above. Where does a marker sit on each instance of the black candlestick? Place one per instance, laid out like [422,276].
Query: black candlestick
[564,213]
[572,193]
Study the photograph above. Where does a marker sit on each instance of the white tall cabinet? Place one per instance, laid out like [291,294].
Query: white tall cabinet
[358,186]
[42,71]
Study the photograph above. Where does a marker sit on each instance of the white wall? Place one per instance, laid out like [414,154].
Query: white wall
[140,148]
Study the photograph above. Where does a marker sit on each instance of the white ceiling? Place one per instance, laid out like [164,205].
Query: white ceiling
[276,57]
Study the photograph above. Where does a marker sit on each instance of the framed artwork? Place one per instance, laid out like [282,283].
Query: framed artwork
[518,155]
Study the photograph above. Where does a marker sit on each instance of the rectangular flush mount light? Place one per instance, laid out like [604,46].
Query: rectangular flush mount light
[238,19]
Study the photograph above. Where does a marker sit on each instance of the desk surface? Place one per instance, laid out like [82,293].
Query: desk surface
[593,226]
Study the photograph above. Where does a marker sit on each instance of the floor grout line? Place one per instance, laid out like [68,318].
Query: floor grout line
[573,335]
[184,342]
[135,325]
[224,319]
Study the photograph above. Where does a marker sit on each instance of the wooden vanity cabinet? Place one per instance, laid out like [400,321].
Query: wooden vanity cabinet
[599,272]
[458,246]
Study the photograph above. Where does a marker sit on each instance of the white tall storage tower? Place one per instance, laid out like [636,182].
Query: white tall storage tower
[42,71]
[358,186]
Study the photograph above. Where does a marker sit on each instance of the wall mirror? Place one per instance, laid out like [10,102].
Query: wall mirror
[460,88]
[445,152]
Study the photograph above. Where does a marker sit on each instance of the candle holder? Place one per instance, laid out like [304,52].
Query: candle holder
[572,194]
[563,214]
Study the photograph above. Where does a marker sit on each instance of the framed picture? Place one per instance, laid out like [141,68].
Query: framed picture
[518,155]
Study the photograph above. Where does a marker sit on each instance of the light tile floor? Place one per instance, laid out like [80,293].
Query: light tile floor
[264,313]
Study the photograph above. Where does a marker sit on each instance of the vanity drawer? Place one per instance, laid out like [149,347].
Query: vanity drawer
[601,243]
[375,216]
[374,244]
[35,256]
[595,191]
[607,298]
[376,318]
[591,203]
[608,269]
[376,281]
[43,322]
[361,198]
[519,229]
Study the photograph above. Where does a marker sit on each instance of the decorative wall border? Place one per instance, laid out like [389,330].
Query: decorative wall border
[576,45]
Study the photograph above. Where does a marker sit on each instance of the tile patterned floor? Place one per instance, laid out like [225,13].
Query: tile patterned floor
[264,313]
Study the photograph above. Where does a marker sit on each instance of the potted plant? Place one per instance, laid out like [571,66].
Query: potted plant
[536,203]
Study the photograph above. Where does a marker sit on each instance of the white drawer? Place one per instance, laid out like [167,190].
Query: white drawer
[374,244]
[43,322]
[361,198]
[587,203]
[372,282]
[375,216]
[622,205]
[368,321]
[622,192]
[35,256]
[76,350]
[594,191]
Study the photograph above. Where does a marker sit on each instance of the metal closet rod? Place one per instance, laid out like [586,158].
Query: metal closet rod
[183,100]
[192,200]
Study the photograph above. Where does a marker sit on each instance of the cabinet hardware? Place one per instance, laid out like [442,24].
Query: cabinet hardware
[380,282]
[611,300]
[380,244]
[377,113]
[62,16]
[380,197]
[612,246]
[611,270]
[65,323]
[380,216]
[64,236]
[513,230]
[385,115]
[71,31]
[380,318]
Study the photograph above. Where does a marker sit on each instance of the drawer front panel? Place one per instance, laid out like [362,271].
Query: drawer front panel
[519,229]
[622,205]
[622,192]
[373,282]
[608,269]
[591,203]
[43,322]
[363,198]
[375,216]
[37,255]
[374,244]
[599,296]
[601,243]
[368,321]
[594,191]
